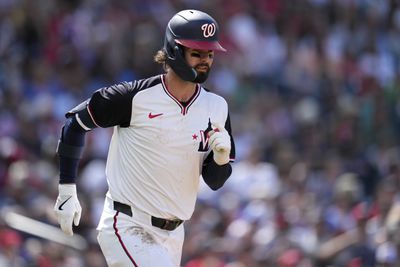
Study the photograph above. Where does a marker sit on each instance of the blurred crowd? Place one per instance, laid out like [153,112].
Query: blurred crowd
[314,94]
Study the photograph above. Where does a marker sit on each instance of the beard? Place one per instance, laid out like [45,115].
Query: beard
[201,75]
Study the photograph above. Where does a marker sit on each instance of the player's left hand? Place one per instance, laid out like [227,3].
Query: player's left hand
[67,207]
[220,143]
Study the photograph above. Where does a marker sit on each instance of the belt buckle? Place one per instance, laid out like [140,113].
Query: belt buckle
[171,224]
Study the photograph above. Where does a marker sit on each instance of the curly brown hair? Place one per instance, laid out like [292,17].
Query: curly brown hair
[161,58]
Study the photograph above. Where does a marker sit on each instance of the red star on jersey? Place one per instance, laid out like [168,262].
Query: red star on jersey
[194,136]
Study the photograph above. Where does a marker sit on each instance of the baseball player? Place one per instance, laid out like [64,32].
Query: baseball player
[168,132]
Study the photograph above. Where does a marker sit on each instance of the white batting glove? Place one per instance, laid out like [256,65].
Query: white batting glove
[220,143]
[67,207]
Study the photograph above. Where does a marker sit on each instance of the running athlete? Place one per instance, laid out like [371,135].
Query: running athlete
[168,131]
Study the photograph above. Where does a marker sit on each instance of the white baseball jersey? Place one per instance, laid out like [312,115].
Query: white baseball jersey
[158,145]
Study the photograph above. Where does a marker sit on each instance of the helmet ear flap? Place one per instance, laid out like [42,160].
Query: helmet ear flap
[174,51]
[178,63]
[178,52]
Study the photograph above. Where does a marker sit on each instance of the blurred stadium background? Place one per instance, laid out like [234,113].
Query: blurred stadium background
[314,93]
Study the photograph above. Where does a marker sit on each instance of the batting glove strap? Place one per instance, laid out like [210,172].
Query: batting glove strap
[221,158]
[67,189]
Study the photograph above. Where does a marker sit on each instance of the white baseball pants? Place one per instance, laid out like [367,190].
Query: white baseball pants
[132,241]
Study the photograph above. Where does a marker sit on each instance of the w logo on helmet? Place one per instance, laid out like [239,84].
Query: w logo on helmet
[209,29]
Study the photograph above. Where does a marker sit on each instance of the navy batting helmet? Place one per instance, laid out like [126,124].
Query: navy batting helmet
[193,29]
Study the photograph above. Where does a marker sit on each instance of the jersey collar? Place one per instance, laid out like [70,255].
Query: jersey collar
[184,108]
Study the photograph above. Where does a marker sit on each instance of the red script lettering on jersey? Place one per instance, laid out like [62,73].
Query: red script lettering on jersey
[152,116]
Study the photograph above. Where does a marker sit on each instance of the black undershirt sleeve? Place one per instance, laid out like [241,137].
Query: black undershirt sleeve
[72,134]
[215,175]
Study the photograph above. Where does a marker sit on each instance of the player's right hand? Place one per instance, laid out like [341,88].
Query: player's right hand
[67,207]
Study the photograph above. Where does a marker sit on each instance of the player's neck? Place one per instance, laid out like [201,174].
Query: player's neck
[180,89]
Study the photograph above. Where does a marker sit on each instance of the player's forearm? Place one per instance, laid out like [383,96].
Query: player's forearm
[216,175]
[70,149]
[68,170]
